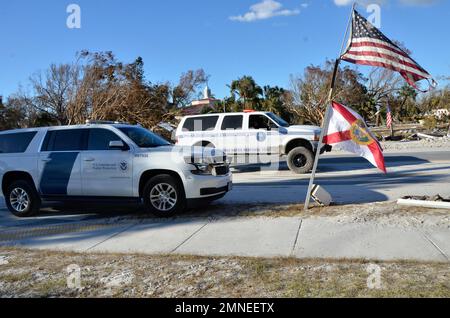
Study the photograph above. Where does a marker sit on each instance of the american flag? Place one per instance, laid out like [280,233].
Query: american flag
[368,46]
[388,117]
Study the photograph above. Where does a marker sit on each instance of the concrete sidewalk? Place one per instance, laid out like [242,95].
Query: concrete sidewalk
[252,236]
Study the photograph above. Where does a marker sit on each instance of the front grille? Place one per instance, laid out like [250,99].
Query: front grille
[221,170]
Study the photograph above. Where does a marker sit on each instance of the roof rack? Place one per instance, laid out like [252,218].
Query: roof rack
[104,122]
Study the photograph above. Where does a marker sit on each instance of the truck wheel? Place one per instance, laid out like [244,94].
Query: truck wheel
[300,160]
[22,199]
[163,196]
[205,144]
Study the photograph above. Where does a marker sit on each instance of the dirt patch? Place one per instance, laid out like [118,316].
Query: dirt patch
[427,144]
[384,213]
[44,274]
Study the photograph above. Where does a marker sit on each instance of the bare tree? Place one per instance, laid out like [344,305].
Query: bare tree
[310,91]
[190,82]
[52,91]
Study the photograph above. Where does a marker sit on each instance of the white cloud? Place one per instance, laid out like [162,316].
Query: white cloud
[343,2]
[418,2]
[365,2]
[265,9]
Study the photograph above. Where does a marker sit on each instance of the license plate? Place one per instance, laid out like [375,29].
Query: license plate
[230,186]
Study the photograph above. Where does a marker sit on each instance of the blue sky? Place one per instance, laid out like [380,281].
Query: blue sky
[227,38]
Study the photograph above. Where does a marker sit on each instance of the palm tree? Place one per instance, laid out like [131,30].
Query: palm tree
[248,91]
[407,93]
[273,99]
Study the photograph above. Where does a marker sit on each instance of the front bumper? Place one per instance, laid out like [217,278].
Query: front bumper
[201,186]
[216,191]
[195,203]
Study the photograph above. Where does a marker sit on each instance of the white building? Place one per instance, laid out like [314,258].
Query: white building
[197,106]
[441,113]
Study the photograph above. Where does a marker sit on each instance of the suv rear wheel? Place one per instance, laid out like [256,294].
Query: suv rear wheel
[22,199]
[163,196]
[300,160]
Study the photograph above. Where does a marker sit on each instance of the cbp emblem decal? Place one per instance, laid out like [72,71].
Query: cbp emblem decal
[124,166]
[261,136]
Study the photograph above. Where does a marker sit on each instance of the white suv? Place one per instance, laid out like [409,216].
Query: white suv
[253,133]
[109,161]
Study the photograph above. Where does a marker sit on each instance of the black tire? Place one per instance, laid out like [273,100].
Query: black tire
[163,185]
[207,144]
[31,197]
[300,160]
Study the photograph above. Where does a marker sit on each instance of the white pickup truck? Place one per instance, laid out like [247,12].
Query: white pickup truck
[252,133]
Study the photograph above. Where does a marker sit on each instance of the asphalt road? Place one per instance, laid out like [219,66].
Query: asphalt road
[347,178]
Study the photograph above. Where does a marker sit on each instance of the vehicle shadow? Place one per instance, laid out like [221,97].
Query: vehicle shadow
[333,164]
[345,189]
[54,213]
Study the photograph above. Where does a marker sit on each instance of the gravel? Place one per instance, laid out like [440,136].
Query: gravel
[387,214]
[443,143]
[414,145]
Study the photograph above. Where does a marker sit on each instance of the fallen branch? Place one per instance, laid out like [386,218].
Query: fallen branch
[426,136]
[424,204]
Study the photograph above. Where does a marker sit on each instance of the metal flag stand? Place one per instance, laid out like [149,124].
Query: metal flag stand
[326,118]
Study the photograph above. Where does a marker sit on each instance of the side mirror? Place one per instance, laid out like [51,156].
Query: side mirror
[117,145]
[283,131]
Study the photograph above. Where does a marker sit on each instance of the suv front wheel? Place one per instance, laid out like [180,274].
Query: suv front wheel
[22,199]
[300,160]
[163,196]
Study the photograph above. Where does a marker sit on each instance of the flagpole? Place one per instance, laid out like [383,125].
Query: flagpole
[326,118]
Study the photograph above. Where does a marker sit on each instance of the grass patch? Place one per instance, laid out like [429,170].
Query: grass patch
[191,276]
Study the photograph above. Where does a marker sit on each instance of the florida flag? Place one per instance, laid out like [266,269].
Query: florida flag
[349,132]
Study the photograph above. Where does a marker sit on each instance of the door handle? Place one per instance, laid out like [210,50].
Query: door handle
[89,159]
[46,160]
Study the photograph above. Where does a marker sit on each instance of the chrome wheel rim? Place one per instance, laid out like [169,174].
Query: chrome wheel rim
[19,199]
[163,197]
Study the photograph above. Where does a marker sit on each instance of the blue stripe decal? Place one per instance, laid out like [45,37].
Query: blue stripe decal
[56,175]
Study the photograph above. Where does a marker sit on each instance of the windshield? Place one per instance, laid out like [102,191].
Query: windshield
[278,120]
[144,138]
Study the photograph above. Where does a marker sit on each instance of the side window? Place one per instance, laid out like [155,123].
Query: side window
[259,122]
[99,139]
[64,140]
[233,122]
[188,124]
[205,123]
[16,143]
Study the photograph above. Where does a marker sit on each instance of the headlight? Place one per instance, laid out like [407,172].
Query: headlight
[201,169]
